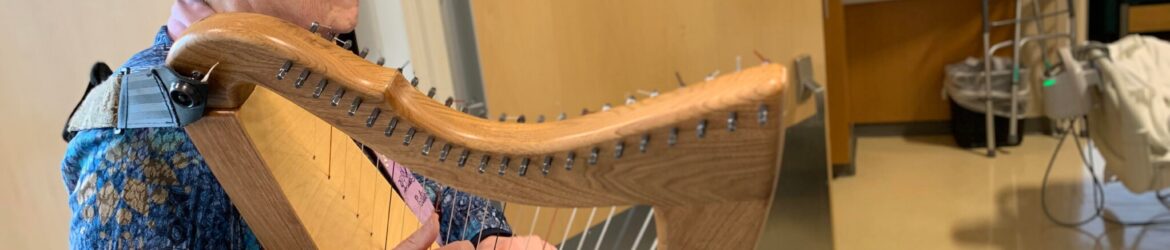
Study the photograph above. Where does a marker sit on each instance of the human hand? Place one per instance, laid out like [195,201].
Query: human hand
[530,242]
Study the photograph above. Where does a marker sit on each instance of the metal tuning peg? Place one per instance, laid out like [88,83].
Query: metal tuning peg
[523,170]
[701,129]
[762,114]
[483,161]
[283,71]
[313,27]
[414,82]
[503,117]
[562,116]
[606,107]
[364,53]
[520,119]
[540,119]
[593,155]
[763,59]
[381,61]
[504,165]
[630,100]
[738,63]
[431,92]
[301,79]
[645,143]
[546,165]
[345,44]
[712,75]
[403,67]
[449,101]
[731,121]
[584,111]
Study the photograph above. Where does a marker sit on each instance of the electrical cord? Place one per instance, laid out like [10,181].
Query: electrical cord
[1097,186]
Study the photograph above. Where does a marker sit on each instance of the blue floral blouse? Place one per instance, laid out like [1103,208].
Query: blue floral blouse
[149,188]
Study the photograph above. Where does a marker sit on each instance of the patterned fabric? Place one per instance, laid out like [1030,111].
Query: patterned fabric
[463,216]
[149,188]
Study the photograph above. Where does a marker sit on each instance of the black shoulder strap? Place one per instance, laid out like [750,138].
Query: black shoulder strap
[97,75]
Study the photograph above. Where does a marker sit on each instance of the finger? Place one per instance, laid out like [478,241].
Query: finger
[421,239]
[458,245]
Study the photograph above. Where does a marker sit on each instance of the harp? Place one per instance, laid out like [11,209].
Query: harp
[705,157]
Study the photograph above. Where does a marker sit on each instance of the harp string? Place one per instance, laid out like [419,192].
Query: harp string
[568,226]
[532,227]
[601,237]
[642,232]
[588,224]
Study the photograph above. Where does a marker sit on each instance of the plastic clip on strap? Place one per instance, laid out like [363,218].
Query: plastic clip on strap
[157,97]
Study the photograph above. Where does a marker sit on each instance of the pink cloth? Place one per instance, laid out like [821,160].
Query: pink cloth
[184,13]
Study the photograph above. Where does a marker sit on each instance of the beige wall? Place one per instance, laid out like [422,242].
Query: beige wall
[45,55]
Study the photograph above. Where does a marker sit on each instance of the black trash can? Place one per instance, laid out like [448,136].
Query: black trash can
[969,129]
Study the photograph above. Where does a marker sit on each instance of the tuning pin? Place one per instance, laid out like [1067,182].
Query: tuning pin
[301,79]
[284,70]
[463,157]
[431,92]
[443,153]
[606,107]
[320,87]
[523,167]
[365,52]
[584,111]
[618,150]
[673,139]
[344,44]
[546,165]
[678,76]
[504,165]
[520,119]
[503,117]
[314,26]
[711,76]
[593,154]
[483,163]
[540,119]
[701,129]
[373,117]
[426,149]
[731,121]
[642,145]
[408,137]
[337,95]
[353,107]
[562,116]
[630,100]
[763,60]
[738,63]
[654,93]
[414,82]
[390,128]
[403,66]
[463,109]
[449,101]
[572,156]
[763,114]
[381,61]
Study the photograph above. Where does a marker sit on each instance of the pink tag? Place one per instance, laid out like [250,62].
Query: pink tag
[412,192]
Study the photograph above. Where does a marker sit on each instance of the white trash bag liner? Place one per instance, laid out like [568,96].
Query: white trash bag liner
[965,85]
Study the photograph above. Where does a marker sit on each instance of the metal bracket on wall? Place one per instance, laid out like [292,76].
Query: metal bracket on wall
[807,81]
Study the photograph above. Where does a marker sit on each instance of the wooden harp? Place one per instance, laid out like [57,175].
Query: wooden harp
[706,157]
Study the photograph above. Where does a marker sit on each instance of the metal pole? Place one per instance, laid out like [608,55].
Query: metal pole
[989,117]
[1013,123]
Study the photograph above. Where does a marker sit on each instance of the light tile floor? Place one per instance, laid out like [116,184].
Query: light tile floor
[925,193]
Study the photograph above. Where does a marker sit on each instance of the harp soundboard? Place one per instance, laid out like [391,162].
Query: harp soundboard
[704,157]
